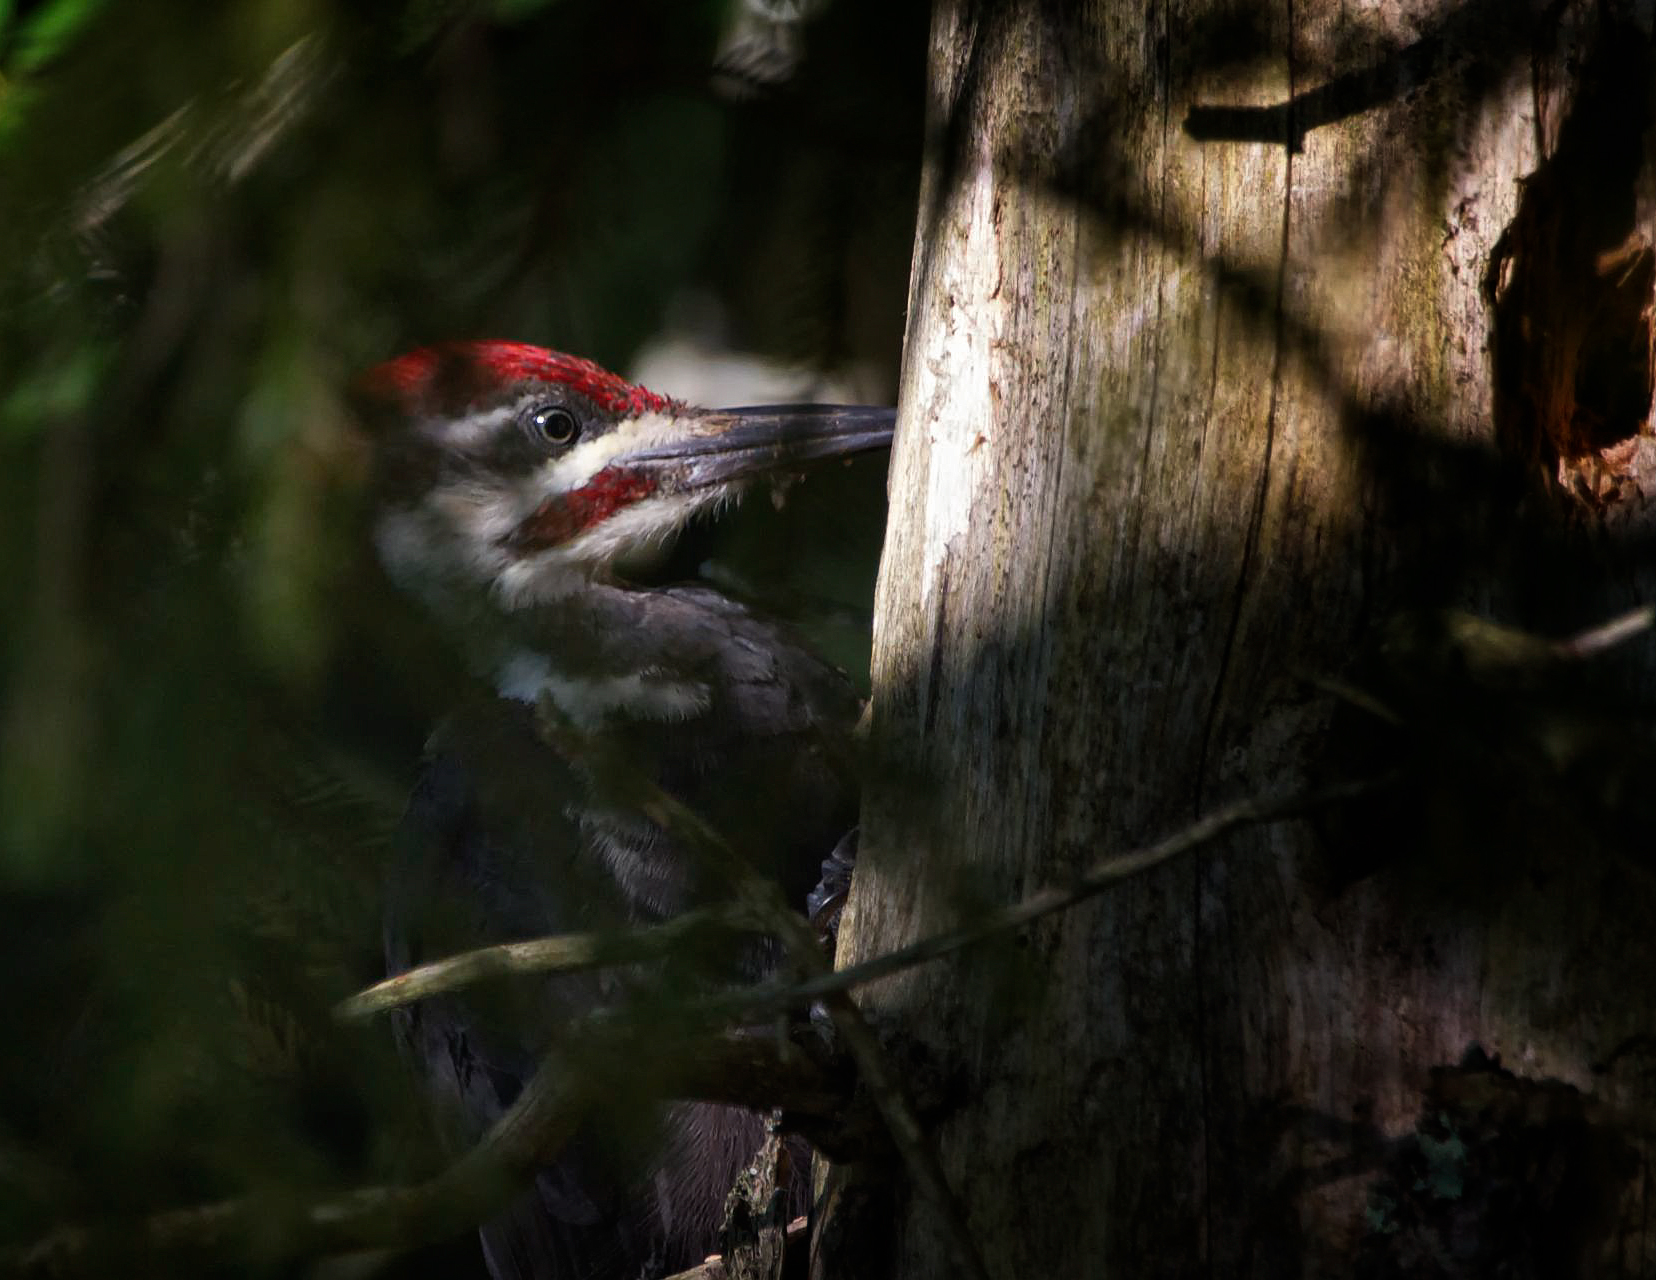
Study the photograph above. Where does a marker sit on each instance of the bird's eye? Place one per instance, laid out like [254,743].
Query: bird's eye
[552,424]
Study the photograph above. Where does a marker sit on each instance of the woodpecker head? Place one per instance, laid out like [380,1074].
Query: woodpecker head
[524,472]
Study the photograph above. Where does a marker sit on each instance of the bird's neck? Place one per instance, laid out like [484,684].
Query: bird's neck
[602,653]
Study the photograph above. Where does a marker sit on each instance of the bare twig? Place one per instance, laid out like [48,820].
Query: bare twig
[563,953]
[763,897]
[1607,635]
[832,985]
[744,1070]
[476,1186]
[768,999]
[758,1072]
[741,1070]
[1360,698]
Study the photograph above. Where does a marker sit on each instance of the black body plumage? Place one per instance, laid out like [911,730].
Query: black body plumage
[507,838]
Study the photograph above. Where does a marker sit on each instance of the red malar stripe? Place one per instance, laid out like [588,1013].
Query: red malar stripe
[565,515]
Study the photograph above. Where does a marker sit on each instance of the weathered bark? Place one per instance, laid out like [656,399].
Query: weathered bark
[1234,335]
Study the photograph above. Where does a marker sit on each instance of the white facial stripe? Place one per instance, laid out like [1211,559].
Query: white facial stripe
[476,427]
[573,469]
[637,528]
[546,575]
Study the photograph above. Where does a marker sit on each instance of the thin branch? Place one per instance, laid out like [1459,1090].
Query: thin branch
[741,1070]
[763,897]
[267,1229]
[1607,635]
[744,1070]
[568,951]
[759,1072]
[563,953]
[768,998]
[832,986]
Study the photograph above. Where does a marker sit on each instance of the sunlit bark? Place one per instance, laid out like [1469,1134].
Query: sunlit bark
[1241,344]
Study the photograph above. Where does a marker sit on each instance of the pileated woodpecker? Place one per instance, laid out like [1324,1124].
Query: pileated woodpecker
[510,482]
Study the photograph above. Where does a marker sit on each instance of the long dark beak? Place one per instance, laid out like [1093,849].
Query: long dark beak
[722,446]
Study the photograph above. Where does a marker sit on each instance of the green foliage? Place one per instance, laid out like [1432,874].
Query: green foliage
[31,42]
[211,216]
[54,389]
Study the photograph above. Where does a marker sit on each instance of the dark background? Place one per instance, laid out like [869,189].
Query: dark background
[211,216]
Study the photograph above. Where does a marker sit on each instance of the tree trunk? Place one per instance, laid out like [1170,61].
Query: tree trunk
[1246,347]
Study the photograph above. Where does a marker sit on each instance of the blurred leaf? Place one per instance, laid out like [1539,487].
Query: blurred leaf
[53,389]
[48,32]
